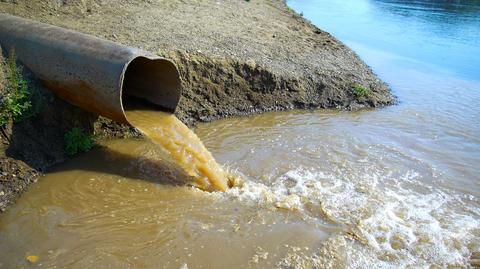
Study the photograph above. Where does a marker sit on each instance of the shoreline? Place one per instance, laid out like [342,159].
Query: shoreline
[245,57]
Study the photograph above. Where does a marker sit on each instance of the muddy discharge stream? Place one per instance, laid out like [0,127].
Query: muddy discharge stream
[183,145]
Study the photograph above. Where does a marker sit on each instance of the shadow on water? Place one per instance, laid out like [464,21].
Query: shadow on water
[110,161]
[446,20]
[432,9]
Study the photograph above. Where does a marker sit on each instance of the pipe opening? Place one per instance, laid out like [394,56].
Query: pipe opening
[150,84]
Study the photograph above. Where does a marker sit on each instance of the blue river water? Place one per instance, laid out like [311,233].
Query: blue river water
[433,36]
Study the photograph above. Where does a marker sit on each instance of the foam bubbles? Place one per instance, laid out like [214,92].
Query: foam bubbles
[385,220]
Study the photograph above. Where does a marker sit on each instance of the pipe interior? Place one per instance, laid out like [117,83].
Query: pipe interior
[151,85]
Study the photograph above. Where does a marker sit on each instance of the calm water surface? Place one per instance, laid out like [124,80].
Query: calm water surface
[384,188]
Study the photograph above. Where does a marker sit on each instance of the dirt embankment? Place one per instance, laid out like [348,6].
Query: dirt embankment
[235,57]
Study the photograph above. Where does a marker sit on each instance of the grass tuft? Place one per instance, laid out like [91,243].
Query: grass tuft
[15,98]
[77,141]
[360,91]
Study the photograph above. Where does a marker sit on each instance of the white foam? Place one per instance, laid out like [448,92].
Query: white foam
[386,225]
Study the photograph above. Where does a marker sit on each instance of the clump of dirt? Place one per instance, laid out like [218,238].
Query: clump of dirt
[15,177]
[235,58]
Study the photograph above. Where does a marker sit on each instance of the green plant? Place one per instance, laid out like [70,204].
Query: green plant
[15,101]
[360,91]
[77,141]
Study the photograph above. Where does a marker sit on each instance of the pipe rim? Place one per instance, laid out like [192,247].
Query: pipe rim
[175,90]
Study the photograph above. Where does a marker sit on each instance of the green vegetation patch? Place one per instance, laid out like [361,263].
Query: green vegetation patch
[15,96]
[77,141]
[361,91]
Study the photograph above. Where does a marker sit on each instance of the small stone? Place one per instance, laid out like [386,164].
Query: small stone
[32,259]
[2,193]
[397,242]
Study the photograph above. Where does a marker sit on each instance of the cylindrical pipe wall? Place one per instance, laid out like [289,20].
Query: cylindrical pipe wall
[95,74]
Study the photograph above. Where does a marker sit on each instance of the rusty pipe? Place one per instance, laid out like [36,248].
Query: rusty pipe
[97,75]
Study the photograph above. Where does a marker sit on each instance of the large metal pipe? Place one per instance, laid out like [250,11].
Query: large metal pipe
[97,75]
